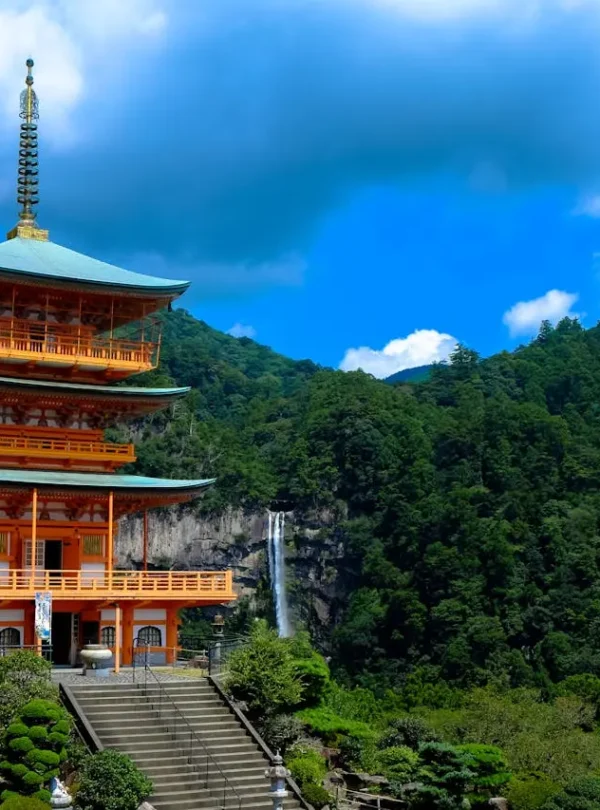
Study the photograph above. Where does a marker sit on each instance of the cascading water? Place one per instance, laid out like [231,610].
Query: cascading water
[275,550]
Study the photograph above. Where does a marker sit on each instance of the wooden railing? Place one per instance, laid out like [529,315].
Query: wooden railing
[21,583]
[60,344]
[66,448]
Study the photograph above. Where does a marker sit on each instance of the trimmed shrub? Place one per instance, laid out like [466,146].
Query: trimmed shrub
[110,780]
[399,763]
[328,725]
[35,749]
[316,795]
[307,766]
[24,803]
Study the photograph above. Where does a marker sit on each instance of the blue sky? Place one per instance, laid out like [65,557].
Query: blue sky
[361,182]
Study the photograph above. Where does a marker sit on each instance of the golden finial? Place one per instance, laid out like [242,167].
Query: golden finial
[27,188]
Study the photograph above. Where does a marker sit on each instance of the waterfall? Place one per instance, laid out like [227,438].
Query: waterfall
[275,550]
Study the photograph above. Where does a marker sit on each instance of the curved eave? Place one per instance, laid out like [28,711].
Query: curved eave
[113,391]
[125,484]
[52,265]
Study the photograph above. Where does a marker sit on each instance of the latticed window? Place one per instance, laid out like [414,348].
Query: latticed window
[108,636]
[149,637]
[93,545]
[4,542]
[9,637]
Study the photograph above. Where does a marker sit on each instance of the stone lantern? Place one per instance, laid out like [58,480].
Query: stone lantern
[277,773]
[218,626]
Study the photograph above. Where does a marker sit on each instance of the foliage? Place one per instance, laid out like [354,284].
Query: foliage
[398,763]
[264,674]
[24,676]
[410,730]
[324,723]
[110,780]
[307,766]
[280,731]
[353,704]
[530,791]
[535,735]
[33,748]
[316,795]
[581,794]
[23,803]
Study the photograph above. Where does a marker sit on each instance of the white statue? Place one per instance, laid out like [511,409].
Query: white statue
[60,796]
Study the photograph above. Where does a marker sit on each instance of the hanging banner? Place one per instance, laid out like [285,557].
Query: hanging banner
[43,615]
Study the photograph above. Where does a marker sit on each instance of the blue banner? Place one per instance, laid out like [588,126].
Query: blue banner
[43,615]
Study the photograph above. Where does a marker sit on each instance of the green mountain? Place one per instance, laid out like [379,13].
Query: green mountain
[416,374]
[467,505]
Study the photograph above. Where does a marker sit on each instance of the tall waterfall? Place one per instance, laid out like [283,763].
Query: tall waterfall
[275,543]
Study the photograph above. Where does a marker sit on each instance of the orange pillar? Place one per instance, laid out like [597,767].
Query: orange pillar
[145,557]
[127,651]
[117,639]
[110,550]
[33,535]
[171,635]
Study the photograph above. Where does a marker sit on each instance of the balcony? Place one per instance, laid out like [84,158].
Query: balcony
[51,453]
[211,587]
[57,348]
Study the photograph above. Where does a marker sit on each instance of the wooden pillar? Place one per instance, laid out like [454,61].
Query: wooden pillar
[171,635]
[127,651]
[34,506]
[145,556]
[117,639]
[110,551]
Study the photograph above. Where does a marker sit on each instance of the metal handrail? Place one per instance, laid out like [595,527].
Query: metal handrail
[193,737]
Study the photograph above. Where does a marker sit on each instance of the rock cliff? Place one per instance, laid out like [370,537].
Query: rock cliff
[181,539]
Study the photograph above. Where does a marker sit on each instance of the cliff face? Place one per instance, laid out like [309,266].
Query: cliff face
[179,539]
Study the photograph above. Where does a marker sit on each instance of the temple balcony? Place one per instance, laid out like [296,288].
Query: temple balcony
[54,349]
[64,454]
[212,587]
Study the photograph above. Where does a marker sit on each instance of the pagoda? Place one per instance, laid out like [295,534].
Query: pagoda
[70,328]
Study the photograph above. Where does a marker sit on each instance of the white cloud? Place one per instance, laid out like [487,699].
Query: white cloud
[239,330]
[525,317]
[422,347]
[69,40]
[588,206]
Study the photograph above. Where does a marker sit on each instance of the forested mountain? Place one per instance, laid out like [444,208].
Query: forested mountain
[416,374]
[468,504]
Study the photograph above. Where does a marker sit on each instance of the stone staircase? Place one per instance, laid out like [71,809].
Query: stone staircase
[147,723]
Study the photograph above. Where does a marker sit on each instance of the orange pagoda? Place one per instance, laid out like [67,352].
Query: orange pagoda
[70,328]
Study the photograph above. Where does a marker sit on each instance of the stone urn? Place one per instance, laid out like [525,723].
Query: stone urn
[95,659]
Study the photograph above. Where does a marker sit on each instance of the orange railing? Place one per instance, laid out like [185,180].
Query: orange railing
[66,448]
[59,344]
[23,583]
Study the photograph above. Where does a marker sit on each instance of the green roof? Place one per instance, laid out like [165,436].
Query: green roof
[52,263]
[43,478]
[112,390]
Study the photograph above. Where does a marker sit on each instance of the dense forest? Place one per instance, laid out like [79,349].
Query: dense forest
[468,502]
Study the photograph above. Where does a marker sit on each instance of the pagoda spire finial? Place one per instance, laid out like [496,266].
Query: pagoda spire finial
[27,187]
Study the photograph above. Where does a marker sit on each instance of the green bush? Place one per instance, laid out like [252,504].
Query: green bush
[263,673]
[353,704]
[316,795]
[34,750]
[489,766]
[42,795]
[328,725]
[530,791]
[307,766]
[410,730]
[110,780]
[399,763]
[581,794]
[35,733]
[280,731]
[24,803]
[314,676]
